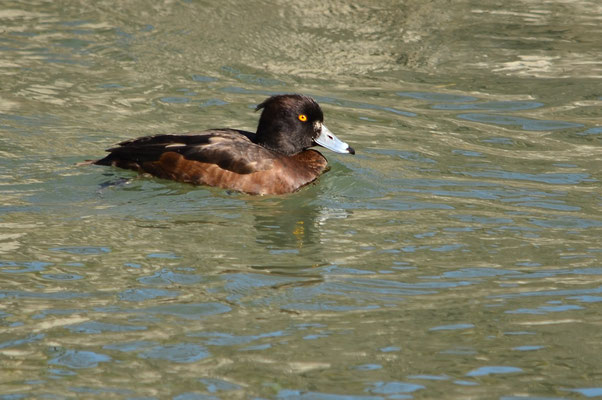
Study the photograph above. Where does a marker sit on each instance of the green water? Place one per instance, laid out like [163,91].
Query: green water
[456,255]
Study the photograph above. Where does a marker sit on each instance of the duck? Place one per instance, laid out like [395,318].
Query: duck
[277,159]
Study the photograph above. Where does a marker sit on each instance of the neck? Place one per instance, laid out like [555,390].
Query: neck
[274,138]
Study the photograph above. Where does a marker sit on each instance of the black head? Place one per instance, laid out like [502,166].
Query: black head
[289,123]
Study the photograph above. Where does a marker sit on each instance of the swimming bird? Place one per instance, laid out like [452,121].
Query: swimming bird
[277,159]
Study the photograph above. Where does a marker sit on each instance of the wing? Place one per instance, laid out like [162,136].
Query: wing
[229,149]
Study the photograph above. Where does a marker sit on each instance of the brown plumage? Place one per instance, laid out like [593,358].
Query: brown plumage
[275,160]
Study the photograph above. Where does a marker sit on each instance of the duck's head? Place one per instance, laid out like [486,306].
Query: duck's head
[291,123]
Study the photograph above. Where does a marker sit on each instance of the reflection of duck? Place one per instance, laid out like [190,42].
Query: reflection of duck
[275,160]
[286,224]
[299,225]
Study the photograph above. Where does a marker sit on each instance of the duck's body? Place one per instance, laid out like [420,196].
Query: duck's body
[275,160]
[224,158]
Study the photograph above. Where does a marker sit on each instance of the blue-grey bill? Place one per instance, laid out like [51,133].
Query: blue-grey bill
[331,142]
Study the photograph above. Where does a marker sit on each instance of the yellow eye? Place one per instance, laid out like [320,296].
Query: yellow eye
[302,117]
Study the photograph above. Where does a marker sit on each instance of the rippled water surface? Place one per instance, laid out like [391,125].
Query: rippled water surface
[456,255]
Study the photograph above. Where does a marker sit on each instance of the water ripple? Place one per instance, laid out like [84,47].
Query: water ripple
[78,359]
[527,124]
[187,311]
[179,353]
[100,327]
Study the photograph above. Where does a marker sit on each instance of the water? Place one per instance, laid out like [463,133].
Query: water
[456,255]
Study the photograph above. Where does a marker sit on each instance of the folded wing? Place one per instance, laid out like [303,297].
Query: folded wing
[228,149]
